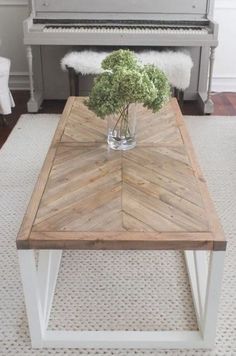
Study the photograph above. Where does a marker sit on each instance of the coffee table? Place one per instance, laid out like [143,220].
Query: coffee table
[153,197]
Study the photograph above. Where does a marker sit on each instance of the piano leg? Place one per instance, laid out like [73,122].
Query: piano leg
[205,101]
[35,101]
[209,102]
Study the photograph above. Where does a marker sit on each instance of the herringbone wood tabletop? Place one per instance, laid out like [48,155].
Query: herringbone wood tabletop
[151,197]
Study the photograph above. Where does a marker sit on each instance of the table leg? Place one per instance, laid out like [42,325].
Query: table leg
[39,286]
[48,268]
[215,276]
[205,280]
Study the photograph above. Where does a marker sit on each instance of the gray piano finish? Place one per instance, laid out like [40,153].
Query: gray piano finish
[118,9]
[48,48]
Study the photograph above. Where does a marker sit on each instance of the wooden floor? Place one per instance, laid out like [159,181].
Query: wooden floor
[225,104]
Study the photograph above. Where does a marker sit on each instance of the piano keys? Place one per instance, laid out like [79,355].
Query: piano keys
[149,30]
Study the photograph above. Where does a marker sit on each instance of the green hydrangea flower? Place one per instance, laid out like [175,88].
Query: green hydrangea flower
[162,86]
[124,82]
[121,58]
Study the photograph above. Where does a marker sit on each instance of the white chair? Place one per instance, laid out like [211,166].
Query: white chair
[6,100]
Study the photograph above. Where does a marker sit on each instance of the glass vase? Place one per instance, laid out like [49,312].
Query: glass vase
[122,129]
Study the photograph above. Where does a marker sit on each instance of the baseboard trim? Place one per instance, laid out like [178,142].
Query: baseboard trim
[222,84]
[225,4]
[14,3]
[19,81]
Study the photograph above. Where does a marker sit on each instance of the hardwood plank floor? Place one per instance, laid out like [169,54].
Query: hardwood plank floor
[225,104]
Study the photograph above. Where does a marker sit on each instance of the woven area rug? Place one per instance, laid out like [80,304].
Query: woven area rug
[132,290]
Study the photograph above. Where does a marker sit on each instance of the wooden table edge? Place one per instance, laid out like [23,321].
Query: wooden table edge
[31,211]
[219,241]
[121,241]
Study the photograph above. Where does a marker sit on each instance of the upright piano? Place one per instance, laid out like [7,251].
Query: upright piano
[56,26]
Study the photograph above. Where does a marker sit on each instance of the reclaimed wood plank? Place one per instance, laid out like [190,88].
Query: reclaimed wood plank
[26,226]
[215,225]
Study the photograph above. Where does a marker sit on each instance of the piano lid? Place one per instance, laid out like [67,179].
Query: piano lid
[121,9]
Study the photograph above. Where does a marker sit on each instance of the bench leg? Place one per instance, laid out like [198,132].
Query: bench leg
[73,81]
[181,98]
[76,84]
[179,95]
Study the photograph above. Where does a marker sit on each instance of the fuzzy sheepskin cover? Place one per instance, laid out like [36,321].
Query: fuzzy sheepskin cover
[176,65]
[84,62]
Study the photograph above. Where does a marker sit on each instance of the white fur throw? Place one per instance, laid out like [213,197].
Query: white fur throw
[176,65]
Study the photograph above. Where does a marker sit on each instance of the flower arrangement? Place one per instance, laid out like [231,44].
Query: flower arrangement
[124,82]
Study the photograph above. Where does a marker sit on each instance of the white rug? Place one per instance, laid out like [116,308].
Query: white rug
[107,289]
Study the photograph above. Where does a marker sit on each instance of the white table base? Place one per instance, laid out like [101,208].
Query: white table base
[39,284]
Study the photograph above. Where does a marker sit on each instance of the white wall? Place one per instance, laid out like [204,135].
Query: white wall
[12,13]
[225,64]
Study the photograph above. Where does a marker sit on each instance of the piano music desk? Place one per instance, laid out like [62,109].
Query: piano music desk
[152,197]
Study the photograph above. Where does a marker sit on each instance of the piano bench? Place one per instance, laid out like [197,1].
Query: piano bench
[177,66]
